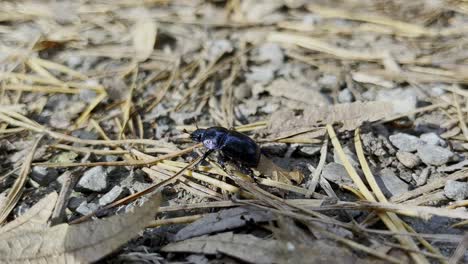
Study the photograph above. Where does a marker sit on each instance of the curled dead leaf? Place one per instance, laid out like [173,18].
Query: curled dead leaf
[82,243]
[351,116]
[276,173]
[35,218]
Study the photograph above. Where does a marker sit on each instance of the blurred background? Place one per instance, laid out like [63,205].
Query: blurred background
[141,71]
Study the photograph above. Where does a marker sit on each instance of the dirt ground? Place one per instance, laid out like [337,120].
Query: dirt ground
[358,108]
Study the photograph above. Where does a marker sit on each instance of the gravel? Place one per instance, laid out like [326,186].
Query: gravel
[408,159]
[404,100]
[432,139]
[94,180]
[390,183]
[115,193]
[345,96]
[43,175]
[336,173]
[74,202]
[456,190]
[405,142]
[86,208]
[310,150]
[434,155]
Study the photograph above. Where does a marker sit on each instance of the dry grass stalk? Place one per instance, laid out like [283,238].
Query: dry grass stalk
[17,189]
[389,219]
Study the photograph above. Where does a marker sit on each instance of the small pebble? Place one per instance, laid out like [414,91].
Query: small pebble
[115,193]
[405,142]
[432,139]
[260,74]
[345,96]
[403,99]
[74,202]
[86,208]
[336,173]
[352,158]
[434,155]
[274,148]
[310,150]
[94,179]
[456,190]
[422,178]
[408,159]
[242,92]
[43,175]
[390,184]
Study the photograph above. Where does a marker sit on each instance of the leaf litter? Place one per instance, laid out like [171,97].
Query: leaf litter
[115,84]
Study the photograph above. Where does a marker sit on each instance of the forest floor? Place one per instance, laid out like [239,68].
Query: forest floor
[359,108]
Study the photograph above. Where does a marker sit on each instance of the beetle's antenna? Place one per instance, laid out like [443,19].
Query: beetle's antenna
[196,123]
[185,131]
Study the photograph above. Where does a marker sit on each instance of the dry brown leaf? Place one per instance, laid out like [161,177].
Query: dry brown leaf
[351,116]
[223,221]
[144,38]
[15,192]
[256,250]
[35,218]
[82,243]
[276,173]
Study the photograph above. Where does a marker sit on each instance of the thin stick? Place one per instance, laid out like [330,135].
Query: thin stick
[119,163]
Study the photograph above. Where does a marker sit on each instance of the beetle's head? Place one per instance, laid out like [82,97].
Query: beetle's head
[197,135]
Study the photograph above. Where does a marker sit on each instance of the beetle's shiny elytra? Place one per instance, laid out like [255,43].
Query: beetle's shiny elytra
[232,144]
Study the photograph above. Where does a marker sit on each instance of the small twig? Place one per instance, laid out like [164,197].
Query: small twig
[71,178]
[119,163]
[460,251]
[318,170]
[174,221]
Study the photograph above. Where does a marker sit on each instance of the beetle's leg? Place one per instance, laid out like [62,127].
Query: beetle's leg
[222,160]
[207,153]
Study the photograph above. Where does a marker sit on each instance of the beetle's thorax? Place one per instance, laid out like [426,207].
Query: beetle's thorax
[213,138]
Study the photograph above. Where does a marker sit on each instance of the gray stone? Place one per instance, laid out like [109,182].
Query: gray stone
[94,179]
[275,148]
[422,178]
[87,95]
[216,48]
[352,158]
[310,150]
[86,208]
[271,53]
[337,174]
[115,193]
[242,92]
[434,155]
[456,190]
[408,159]
[454,167]
[329,81]
[390,184]
[75,201]
[260,74]
[110,158]
[405,142]
[432,139]
[404,100]
[43,175]
[345,96]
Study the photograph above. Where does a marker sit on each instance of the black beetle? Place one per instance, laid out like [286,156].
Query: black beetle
[232,144]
